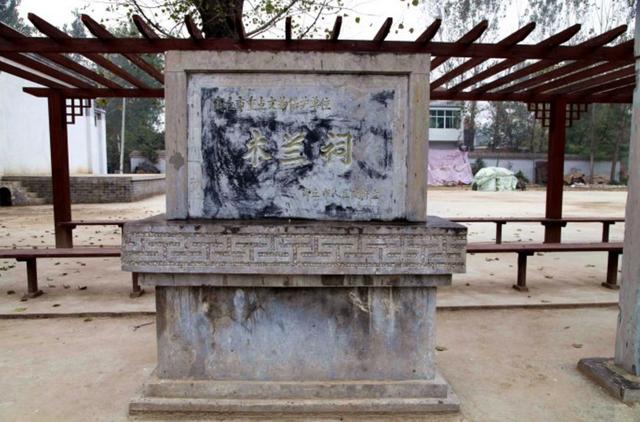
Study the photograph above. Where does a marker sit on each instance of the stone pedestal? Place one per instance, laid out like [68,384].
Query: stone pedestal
[350,327]
[296,269]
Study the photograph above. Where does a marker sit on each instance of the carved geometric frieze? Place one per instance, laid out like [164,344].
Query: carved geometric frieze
[233,247]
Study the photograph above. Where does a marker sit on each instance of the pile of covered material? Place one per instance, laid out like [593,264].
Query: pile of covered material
[449,167]
[494,179]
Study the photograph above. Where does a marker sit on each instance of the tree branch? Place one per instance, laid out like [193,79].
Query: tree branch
[149,21]
[272,21]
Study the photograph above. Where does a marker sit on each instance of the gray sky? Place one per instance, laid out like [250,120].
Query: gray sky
[371,12]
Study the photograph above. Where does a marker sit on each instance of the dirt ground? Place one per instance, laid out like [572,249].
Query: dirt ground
[97,285]
[505,365]
[509,364]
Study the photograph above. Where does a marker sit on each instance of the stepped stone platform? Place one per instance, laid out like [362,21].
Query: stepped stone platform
[85,189]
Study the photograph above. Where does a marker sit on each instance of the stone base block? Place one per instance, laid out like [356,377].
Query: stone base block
[244,398]
[616,381]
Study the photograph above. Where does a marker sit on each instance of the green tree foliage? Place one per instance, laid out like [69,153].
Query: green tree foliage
[607,126]
[9,15]
[143,121]
[509,126]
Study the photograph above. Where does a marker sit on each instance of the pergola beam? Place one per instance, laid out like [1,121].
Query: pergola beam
[553,41]
[46,70]
[144,28]
[96,93]
[430,32]
[24,74]
[593,43]
[102,33]
[490,51]
[383,31]
[464,41]
[507,42]
[595,81]
[335,32]
[58,37]
[9,33]
[524,97]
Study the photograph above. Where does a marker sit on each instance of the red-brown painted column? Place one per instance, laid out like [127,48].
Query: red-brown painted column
[60,170]
[555,170]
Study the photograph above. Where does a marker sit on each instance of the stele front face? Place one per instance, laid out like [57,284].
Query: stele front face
[314,136]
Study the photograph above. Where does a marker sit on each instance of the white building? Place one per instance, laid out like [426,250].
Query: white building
[24,134]
[445,125]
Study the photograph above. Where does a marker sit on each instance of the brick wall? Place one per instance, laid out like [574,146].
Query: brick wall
[95,189]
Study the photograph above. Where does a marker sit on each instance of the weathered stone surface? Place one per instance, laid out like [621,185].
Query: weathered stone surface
[618,382]
[296,334]
[317,146]
[299,317]
[295,351]
[324,136]
[260,408]
[293,247]
[298,390]
[261,280]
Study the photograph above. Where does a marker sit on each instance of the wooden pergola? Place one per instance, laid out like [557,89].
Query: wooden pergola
[557,81]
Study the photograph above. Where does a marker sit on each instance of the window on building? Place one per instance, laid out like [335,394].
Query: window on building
[444,119]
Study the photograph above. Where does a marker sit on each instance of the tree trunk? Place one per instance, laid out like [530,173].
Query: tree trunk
[532,142]
[469,133]
[221,18]
[616,147]
[592,143]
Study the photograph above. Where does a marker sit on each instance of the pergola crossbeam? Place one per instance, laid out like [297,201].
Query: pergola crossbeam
[507,42]
[553,40]
[592,43]
[578,72]
[46,70]
[144,28]
[430,32]
[30,76]
[62,38]
[335,32]
[101,32]
[383,31]
[464,41]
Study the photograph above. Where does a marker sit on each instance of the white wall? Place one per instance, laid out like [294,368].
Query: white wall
[24,135]
[527,166]
[24,130]
[446,135]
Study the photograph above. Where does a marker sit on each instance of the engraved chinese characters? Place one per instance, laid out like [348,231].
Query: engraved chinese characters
[318,146]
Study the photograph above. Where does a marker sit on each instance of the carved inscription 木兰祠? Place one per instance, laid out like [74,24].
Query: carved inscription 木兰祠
[317,146]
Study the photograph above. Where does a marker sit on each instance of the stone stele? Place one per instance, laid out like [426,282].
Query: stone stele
[295,269]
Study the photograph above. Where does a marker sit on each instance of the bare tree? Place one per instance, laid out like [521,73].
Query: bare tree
[222,18]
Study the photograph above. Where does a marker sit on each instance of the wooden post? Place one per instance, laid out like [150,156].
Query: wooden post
[521,284]
[60,170]
[32,278]
[606,226]
[612,271]
[555,170]
[628,334]
[499,225]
